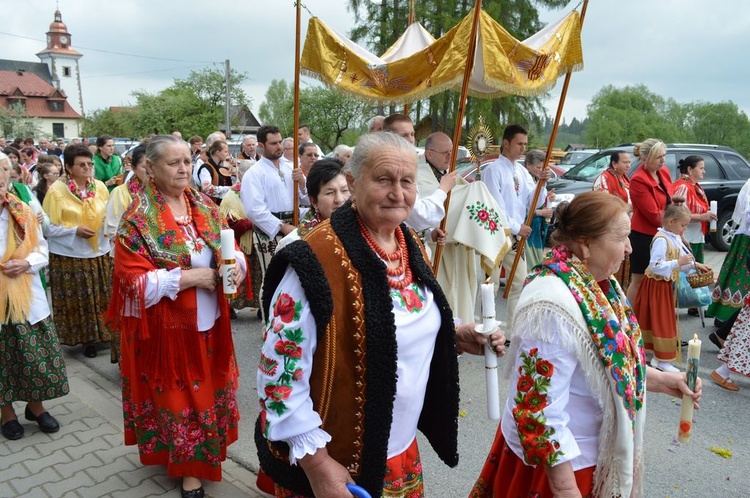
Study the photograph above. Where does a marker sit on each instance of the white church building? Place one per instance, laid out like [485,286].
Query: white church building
[49,90]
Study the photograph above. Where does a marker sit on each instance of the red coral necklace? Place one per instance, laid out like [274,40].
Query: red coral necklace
[400,254]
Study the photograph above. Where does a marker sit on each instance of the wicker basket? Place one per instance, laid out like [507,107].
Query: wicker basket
[700,278]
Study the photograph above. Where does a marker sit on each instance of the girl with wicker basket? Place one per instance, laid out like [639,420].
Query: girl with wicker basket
[655,301]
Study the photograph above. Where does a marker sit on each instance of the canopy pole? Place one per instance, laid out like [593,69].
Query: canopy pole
[411,21]
[295,158]
[540,184]
[459,120]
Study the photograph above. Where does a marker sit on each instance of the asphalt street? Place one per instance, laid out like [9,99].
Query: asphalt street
[692,470]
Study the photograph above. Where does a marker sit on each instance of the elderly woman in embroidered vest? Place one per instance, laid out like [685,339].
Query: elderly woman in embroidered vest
[360,347]
[32,365]
[574,418]
[80,270]
[179,373]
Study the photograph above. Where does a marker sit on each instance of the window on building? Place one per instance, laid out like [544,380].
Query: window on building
[66,71]
[56,105]
[58,130]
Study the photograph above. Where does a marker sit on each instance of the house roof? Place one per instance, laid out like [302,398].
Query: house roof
[36,93]
[38,68]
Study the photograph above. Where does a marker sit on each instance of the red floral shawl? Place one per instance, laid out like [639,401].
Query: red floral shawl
[166,334]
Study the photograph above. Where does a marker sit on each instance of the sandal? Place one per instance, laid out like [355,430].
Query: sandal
[725,383]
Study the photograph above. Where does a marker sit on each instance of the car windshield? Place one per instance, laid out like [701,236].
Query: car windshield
[589,168]
[574,157]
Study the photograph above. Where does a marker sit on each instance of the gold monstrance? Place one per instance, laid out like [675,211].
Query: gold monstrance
[480,138]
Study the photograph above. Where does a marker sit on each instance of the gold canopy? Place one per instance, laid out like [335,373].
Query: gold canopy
[418,66]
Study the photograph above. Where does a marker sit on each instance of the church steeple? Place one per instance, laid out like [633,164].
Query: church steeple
[58,38]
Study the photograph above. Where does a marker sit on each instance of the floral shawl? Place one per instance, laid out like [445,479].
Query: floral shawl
[148,239]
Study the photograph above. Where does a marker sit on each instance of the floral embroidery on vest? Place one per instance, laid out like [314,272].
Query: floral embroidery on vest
[486,217]
[286,310]
[531,399]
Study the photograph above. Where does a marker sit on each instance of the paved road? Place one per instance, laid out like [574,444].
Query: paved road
[671,470]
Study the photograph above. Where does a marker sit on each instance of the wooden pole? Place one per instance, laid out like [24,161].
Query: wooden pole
[295,158]
[411,21]
[541,183]
[459,120]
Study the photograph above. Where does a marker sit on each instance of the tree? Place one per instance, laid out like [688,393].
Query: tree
[330,114]
[15,122]
[278,107]
[718,123]
[632,114]
[118,123]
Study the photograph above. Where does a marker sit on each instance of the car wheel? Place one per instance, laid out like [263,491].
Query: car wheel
[725,229]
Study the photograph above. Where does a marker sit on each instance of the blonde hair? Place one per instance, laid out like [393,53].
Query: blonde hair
[649,149]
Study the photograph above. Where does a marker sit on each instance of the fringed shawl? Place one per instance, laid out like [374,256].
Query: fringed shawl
[166,334]
[16,293]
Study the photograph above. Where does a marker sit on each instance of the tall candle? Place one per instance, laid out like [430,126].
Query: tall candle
[714,209]
[487,327]
[227,263]
[691,372]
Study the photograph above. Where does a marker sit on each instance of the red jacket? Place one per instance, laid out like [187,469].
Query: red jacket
[649,199]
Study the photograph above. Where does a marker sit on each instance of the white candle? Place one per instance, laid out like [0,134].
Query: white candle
[691,371]
[227,262]
[488,305]
[548,205]
[714,210]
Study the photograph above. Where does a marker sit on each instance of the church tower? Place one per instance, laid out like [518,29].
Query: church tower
[62,61]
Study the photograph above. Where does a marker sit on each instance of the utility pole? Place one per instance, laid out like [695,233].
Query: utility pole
[228,128]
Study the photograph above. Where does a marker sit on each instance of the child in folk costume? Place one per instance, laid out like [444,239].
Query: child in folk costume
[736,350]
[655,302]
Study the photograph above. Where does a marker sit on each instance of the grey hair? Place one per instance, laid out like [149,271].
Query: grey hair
[341,150]
[217,135]
[534,156]
[249,136]
[371,145]
[156,146]
[243,166]
[371,122]
[286,140]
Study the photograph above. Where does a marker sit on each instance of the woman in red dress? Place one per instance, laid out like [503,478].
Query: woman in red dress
[179,373]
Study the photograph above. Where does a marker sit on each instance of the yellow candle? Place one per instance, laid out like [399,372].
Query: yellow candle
[686,414]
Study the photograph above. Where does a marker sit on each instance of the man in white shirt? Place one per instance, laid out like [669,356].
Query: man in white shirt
[513,189]
[428,211]
[303,137]
[267,194]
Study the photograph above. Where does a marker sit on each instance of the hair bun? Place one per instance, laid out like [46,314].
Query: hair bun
[678,199]
[637,150]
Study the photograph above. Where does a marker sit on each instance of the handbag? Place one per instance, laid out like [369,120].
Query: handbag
[691,297]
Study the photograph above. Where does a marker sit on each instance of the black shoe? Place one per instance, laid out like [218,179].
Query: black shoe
[89,351]
[715,340]
[683,344]
[232,314]
[12,430]
[47,423]
[693,312]
[259,314]
[193,493]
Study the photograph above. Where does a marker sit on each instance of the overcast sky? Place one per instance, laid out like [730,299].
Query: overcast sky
[689,50]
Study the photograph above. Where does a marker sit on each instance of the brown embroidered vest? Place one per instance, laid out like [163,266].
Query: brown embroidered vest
[353,381]
[673,253]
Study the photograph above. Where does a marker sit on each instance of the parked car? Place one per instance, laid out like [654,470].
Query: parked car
[574,157]
[726,173]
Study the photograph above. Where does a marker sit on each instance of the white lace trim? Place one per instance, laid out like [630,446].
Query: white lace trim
[306,444]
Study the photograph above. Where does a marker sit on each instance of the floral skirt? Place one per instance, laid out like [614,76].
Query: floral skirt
[736,350]
[506,475]
[733,285]
[403,476]
[81,289]
[186,428]
[31,364]
[655,309]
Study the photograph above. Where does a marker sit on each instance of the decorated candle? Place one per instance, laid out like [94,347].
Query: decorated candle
[714,210]
[487,327]
[691,372]
[227,262]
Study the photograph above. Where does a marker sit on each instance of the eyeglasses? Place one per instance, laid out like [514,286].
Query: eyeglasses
[84,164]
[446,153]
[311,154]
[52,174]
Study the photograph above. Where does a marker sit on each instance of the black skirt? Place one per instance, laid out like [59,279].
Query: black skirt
[639,259]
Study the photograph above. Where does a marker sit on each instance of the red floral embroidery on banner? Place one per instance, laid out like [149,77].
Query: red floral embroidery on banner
[531,399]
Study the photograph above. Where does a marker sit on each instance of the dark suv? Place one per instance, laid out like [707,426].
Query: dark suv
[726,173]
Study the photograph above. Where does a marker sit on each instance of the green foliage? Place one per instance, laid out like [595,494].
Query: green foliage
[14,122]
[718,123]
[194,106]
[278,107]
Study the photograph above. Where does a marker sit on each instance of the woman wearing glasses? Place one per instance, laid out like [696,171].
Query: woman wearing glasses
[80,268]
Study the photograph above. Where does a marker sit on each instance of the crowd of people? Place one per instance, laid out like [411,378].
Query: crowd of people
[361,338]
